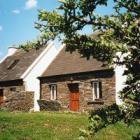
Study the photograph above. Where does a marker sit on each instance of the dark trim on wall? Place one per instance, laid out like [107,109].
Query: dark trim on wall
[17,82]
[108,73]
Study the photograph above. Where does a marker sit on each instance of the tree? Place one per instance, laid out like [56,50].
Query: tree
[119,32]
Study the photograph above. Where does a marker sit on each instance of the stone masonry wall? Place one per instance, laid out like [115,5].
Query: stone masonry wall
[108,89]
[17,99]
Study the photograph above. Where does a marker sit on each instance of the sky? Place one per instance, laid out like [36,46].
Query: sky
[17,18]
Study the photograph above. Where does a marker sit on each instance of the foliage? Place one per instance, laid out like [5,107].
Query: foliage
[104,116]
[3,109]
[119,32]
[112,34]
[101,118]
[30,44]
[136,137]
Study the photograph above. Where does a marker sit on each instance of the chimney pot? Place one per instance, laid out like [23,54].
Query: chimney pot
[12,50]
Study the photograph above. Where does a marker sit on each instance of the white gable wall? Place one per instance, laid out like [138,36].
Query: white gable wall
[119,78]
[30,77]
[120,82]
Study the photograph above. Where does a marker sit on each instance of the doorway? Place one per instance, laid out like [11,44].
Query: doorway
[74,103]
[1,96]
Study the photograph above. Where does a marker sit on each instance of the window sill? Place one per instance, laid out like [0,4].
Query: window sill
[96,102]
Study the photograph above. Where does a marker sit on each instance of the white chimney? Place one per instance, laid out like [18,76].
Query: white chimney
[11,50]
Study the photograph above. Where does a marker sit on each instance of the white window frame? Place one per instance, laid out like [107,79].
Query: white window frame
[96,95]
[53,88]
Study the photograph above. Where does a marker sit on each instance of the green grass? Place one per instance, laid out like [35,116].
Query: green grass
[56,126]
[41,126]
[118,131]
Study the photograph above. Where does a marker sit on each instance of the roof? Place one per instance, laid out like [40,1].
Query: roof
[14,66]
[71,63]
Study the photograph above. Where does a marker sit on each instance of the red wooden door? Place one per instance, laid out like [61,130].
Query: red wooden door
[1,96]
[74,97]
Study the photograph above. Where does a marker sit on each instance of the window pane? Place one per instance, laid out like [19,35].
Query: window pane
[53,92]
[95,90]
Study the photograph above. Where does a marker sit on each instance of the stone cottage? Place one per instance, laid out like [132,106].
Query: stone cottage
[74,83]
[52,79]
[19,85]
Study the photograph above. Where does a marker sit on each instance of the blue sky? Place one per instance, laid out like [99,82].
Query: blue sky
[17,18]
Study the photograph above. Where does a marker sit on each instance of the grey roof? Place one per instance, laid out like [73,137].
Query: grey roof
[14,66]
[67,63]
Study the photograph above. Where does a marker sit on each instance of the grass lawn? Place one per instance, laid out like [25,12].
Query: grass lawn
[56,126]
[118,131]
[41,126]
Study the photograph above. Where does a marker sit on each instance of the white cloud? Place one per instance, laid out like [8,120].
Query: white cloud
[16,11]
[30,4]
[1,28]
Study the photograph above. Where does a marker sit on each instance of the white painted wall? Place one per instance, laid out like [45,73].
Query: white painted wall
[30,77]
[120,78]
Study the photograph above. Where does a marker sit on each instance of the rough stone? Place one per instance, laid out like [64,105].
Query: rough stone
[49,105]
[85,89]
[16,99]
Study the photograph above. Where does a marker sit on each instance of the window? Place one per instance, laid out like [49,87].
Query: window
[13,64]
[96,90]
[53,88]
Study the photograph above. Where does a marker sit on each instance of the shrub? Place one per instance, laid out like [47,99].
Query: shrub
[136,137]
[4,109]
[101,118]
